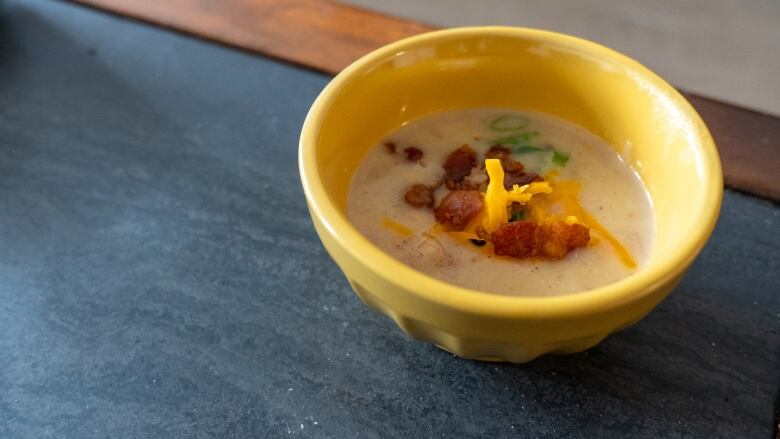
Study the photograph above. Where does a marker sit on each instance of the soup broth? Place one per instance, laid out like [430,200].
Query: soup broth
[579,182]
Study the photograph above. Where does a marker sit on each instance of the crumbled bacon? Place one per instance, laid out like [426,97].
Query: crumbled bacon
[498,152]
[512,167]
[420,195]
[413,154]
[390,147]
[516,239]
[457,166]
[458,208]
[519,238]
[522,239]
[504,154]
[561,238]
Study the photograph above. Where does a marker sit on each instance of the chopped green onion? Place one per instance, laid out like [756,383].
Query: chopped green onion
[560,158]
[525,149]
[516,139]
[517,216]
[509,123]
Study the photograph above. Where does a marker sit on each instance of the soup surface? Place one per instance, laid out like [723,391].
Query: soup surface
[573,178]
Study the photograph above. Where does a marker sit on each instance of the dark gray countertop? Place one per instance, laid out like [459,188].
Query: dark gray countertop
[160,277]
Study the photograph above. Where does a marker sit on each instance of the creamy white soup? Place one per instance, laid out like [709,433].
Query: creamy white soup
[508,202]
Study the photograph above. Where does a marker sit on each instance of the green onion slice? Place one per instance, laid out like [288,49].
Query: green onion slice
[516,139]
[517,216]
[560,158]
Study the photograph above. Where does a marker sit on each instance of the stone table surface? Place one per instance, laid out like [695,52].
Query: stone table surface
[160,277]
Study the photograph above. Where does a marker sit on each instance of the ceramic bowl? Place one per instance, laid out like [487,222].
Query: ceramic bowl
[640,115]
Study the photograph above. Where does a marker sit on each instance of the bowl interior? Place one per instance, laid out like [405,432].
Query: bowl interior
[643,118]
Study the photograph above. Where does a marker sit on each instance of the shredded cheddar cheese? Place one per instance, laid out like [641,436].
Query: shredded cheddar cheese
[497,199]
[436,230]
[396,226]
[561,203]
[617,246]
[567,193]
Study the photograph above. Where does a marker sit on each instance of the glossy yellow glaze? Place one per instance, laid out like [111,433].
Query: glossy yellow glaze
[635,111]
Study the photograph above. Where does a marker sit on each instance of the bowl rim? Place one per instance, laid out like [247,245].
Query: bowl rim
[616,294]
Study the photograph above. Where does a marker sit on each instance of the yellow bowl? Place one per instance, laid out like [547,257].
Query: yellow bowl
[639,114]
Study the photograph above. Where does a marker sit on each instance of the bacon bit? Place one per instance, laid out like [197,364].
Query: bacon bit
[516,239]
[420,195]
[560,238]
[390,147]
[523,239]
[512,166]
[413,154]
[498,152]
[504,154]
[458,208]
[458,166]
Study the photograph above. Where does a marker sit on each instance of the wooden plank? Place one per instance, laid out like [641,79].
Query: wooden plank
[318,34]
[749,145]
[327,36]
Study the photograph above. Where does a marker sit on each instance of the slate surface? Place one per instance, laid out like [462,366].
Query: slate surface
[159,276]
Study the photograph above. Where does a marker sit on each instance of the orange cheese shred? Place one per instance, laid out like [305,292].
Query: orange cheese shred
[396,227]
[498,199]
[567,192]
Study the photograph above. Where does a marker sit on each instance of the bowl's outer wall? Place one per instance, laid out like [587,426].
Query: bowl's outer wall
[485,337]
[645,119]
